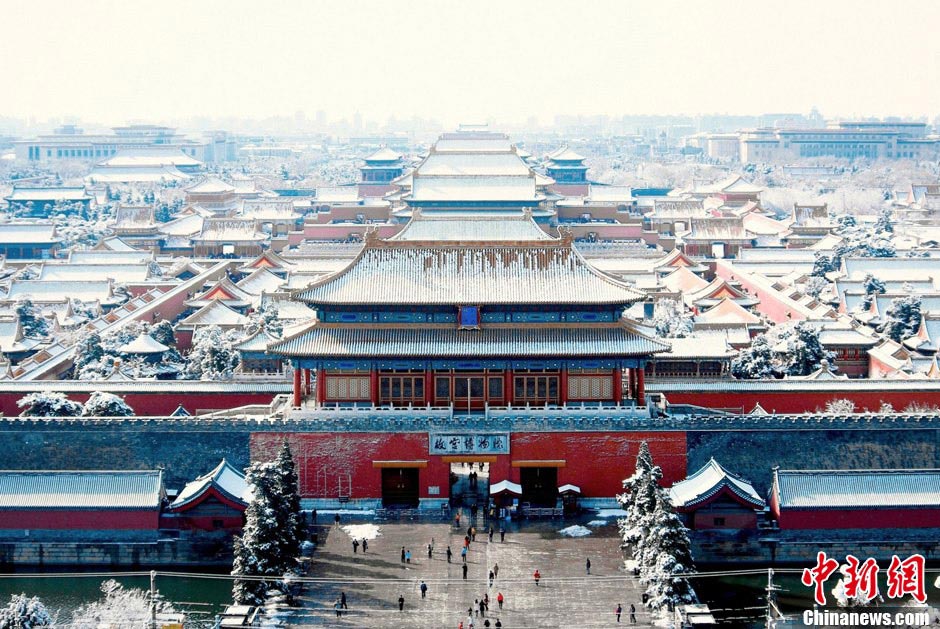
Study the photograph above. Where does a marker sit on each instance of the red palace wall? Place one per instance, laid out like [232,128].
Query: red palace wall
[796,401]
[859,519]
[80,520]
[155,403]
[597,462]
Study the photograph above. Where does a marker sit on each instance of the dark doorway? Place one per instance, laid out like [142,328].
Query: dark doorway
[400,487]
[539,485]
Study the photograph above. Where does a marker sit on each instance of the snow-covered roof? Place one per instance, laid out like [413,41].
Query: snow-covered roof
[734,184]
[268,209]
[121,273]
[224,478]
[565,154]
[183,226]
[143,344]
[229,230]
[428,226]
[384,154]
[858,489]
[257,342]
[81,490]
[395,272]
[94,257]
[150,157]
[473,165]
[700,344]
[113,243]
[58,290]
[260,281]
[28,233]
[497,143]
[728,311]
[215,313]
[446,341]
[505,486]
[682,280]
[60,193]
[135,174]
[210,185]
[337,194]
[710,480]
[566,489]
[480,189]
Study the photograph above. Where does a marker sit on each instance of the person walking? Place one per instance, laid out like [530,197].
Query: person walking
[336,520]
[491,532]
[465,572]
[466,542]
[463,554]
[618,611]
[482,609]
[498,624]
[495,570]
[424,590]
[502,533]
[473,533]
[450,554]
[632,614]
[365,545]
[342,600]
[457,520]
[587,565]
[476,607]
[486,623]
[338,607]
[430,550]
[403,554]
[492,576]
[407,556]
[401,602]
[499,599]
[536,575]
[355,544]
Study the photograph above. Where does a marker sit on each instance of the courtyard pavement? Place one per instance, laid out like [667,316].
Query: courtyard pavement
[373,581]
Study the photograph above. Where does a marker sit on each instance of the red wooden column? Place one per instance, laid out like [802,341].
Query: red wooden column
[428,387]
[640,388]
[507,387]
[297,392]
[321,386]
[374,386]
[306,382]
[618,385]
[563,387]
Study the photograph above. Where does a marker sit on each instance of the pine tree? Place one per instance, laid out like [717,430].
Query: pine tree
[34,326]
[213,356]
[667,559]
[48,404]
[162,332]
[288,494]
[756,361]
[23,612]
[268,546]
[902,319]
[88,350]
[671,320]
[805,351]
[639,501]
[103,404]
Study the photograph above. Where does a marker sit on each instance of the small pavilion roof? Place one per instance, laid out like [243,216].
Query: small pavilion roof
[225,479]
[708,482]
[214,313]
[684,281]
[505,486]
[728,311]
[143,344]
[223,290]
[384,154]
[565,154]
[260,281]
[210,185]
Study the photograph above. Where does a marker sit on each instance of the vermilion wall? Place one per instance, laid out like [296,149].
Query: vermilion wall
[597,462]
[80,520]
[796,401]
[859,519]
[156,403]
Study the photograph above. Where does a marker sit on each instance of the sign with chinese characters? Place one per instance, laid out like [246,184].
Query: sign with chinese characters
[469,443]
[860,580]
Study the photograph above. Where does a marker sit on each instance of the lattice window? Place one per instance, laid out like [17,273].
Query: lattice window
[347,388]
[595,387]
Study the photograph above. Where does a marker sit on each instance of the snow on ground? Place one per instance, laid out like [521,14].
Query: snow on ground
[598,523]
[345,512]
[575,531]
[362,531]
[611,513]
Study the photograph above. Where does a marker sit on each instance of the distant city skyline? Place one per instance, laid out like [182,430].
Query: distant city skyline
[515,63]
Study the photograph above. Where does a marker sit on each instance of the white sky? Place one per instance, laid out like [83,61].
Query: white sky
[466,60]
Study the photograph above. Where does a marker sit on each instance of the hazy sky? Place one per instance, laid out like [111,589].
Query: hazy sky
[465,60]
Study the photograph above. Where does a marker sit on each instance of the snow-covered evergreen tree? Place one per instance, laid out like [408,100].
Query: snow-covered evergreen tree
[667,559]
[34,325]
[48,404]
[103,404]
[268,546]
[755,361]
[903,316]
[265,318]
[288,498]
[815,286]
[23,612]
[213,355]
[671,319]
[840,407]
[162,332]
[804,350]
[638,501]
[88,350]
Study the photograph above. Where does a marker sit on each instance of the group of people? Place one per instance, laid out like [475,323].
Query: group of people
[355,545]
[479,609]
[619,611]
